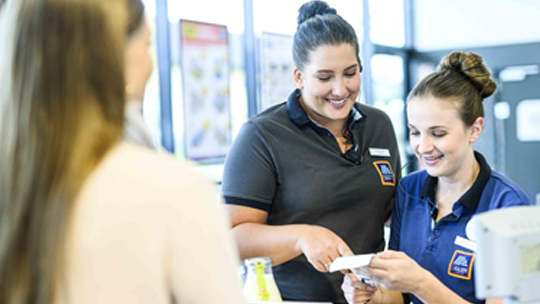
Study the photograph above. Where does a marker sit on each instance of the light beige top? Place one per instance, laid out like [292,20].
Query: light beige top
[148,229]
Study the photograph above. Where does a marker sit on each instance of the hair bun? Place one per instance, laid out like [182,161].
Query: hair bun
[472,66]
[313,8]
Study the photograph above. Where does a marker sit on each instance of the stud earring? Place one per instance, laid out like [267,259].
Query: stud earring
[129,90]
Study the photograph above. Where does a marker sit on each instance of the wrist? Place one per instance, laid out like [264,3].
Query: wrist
[300,231]
[378,296]
[422,283]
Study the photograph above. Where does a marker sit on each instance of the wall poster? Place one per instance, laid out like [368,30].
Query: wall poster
[276,66]
[205,74]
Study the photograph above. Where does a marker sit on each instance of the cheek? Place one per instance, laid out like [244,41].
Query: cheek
[413,143]
[149,63]
[354,84]
[317,89]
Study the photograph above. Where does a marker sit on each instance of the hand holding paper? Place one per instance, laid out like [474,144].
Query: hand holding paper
[356,263]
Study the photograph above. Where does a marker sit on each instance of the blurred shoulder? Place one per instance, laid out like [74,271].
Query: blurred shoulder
[414,179]
[371,111]
[506,190]
[135,164]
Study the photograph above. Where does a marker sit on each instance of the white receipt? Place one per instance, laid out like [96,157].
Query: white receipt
[351,262]
[357,264]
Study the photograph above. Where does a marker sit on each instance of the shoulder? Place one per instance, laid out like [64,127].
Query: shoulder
[370,111]
[505,192]
[271,121]
[276,114]
[129,166]
[413,183]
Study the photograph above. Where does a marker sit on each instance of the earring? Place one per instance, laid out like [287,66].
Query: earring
[129,89]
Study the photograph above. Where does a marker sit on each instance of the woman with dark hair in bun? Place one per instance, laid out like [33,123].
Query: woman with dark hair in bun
[432,248]
[313,178]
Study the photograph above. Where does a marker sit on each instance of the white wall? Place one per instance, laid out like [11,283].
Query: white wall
[460,24]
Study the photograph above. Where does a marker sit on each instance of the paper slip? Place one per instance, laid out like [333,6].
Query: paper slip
[350,262]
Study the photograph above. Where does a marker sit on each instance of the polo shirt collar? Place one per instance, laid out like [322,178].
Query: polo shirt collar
[471,198]
[298,115]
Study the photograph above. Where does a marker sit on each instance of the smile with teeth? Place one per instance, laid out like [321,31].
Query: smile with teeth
[337,102]
[431,158]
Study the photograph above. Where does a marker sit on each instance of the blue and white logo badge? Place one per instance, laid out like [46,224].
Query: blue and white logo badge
[385,172]
[461,265]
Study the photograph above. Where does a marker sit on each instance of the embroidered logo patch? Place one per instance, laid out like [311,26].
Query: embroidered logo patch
[385,172]
[461,265]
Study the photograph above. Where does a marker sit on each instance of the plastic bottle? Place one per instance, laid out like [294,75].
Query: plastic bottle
[260,285]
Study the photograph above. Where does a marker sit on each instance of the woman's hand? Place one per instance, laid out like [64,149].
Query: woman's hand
[396,271]
[355,291]
[321,246]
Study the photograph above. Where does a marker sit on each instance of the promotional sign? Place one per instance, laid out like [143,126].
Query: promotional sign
[205,74]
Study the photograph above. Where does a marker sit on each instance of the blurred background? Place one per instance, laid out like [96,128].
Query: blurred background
[220,62]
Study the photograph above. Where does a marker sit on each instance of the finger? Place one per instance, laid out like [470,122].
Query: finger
[319,266]
[345,271]
[364,288]
[327,266]
[344,250]
[389,254]
[379,263]
[361,299]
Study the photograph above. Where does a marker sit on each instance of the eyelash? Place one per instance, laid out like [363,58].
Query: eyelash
[436,135]
[325,79]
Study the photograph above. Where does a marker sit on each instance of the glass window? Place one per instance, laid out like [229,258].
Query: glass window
[387,25]
[152,101]
[389,96]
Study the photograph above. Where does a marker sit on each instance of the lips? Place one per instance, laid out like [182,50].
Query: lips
[432,160]
[337,103]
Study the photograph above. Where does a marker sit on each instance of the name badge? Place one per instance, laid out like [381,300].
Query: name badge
[379,152]
[463,242]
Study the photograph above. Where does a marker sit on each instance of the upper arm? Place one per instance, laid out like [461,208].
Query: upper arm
[249,172]
[241,214]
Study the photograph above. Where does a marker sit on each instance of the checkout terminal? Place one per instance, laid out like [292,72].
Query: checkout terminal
[508,255]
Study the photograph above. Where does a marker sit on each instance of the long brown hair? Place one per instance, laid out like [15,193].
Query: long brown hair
[62,109]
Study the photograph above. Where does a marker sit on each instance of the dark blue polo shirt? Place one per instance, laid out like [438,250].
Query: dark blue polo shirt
[284,163]
[444,248]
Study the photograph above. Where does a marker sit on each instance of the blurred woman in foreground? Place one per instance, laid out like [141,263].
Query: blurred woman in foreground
[84,217]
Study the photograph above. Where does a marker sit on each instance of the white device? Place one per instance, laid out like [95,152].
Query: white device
[508,254]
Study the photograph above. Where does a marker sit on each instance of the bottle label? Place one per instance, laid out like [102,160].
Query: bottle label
[263,293]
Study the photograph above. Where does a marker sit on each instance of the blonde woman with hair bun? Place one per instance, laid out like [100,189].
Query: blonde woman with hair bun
[84,216]
[432,242]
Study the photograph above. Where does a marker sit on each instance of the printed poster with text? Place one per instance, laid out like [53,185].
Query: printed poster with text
[205,73]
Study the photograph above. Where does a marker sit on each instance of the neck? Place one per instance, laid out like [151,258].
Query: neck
[450,189]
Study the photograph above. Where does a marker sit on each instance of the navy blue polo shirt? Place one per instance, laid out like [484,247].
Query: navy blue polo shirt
[445,248]
[284,163]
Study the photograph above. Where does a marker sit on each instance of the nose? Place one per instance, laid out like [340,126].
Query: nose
[339,87]
[422,144]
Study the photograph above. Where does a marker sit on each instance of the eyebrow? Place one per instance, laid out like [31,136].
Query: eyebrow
[331,71]
[430,128]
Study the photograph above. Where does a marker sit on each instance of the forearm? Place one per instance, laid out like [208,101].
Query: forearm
[276,242]
[430,291]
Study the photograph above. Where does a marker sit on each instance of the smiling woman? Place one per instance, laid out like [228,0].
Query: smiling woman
[312,178]
[431,254]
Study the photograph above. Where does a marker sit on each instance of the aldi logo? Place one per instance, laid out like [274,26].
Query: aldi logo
[385,172]
[461,265]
